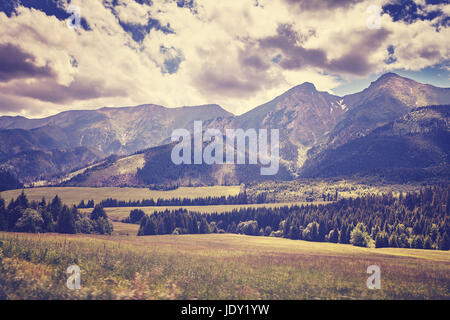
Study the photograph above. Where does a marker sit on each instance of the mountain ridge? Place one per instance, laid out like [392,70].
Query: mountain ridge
[416,141]
[310,122]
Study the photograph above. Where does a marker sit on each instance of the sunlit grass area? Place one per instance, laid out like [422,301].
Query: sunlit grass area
[213,266]
[117,214]
[73,195]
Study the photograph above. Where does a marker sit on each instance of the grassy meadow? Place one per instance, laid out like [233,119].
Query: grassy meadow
[207,266]
[119,213]
[213,266]
[73,195]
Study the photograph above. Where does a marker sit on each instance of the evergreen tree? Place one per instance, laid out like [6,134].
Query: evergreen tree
[204,227]
[403,241]
[13,213]
[444,242]
[56,207]
[418,242]
[3,221]
[147,227]
[98,213]
[135,216]
[393,243]
[22,200]
[381,240]
[66,221]
[428,244]
[333,236]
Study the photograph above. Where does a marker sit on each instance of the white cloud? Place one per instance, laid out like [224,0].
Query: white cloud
[133,12]
[213,43]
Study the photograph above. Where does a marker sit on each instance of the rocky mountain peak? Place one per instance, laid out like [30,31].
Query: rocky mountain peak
[306,86]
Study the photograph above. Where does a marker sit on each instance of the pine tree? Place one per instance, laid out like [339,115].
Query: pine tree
[204,227]
[428,244]
[393,243]
[66,221]
[56,207]
[403,241]
[381,240]
[3,220]
[22,200]
[444,242]
[334,236]
[418,242]
[147,227]
[98,213]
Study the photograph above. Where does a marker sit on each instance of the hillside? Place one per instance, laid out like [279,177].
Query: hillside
[41,148]
[44,164]
[414,146]
[154,167]
[386,99]
[8,181]
[114,130]
[303,115]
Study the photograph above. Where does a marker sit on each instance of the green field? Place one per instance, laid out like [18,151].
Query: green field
[209,266]
[117,214]
[73,195]
[214,266]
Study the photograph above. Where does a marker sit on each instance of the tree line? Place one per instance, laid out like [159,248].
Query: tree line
[415,220]
[8,181]
[241,198]
[22,215]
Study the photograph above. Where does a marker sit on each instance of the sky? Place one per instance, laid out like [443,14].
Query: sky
[235,53]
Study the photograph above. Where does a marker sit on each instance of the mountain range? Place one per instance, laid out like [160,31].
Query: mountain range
[384,127]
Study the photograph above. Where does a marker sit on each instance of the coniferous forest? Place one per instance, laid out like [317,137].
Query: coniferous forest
[21,215]
[241,198]
[413,220]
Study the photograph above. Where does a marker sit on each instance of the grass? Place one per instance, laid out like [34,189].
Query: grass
[214,266]
[125,229]
[117,214]
[73,195]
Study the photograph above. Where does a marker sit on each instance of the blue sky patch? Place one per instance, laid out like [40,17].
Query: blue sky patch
[49,7]
[391,55]
[277,58]
[409,12]
[138,32]
[171,62]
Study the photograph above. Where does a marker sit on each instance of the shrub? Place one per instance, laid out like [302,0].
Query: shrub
[31,221]
[249,228]
[359,236]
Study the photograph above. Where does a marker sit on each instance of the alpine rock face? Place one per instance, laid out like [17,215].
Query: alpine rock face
[303,116]
[386,99]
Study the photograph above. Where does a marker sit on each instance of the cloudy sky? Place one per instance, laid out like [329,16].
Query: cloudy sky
[236,53]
